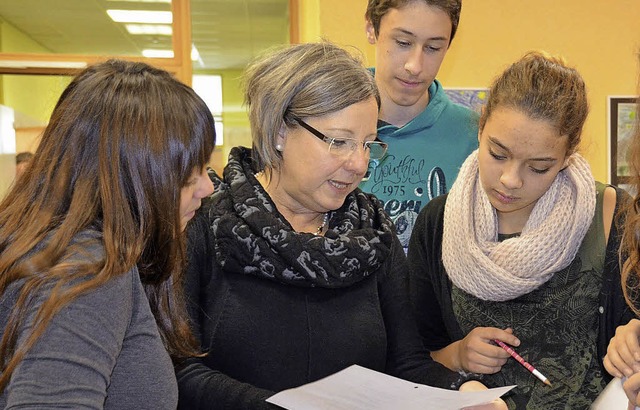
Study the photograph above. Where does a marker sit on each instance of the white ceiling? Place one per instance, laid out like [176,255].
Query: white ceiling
[227,33]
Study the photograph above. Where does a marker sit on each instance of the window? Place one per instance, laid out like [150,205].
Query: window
[209,88]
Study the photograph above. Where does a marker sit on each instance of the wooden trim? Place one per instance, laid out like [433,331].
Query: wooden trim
[31,129]
[294,21]
[165,63]
[182,39]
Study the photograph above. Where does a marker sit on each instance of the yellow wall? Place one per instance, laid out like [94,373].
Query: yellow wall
[309,20]
[34,96]
[600,38]
[343,22]
[234,118]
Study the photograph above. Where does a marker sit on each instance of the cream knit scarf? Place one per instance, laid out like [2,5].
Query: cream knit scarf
[497,271]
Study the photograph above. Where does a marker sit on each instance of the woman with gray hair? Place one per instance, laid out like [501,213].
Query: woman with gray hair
[294,272]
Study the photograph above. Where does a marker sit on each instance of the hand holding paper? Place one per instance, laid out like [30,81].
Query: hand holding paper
[623,361]
[613,397]
[358,388]
[623,353]
[497,404]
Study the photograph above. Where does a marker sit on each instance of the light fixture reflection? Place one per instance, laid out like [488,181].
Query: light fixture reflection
[141,16]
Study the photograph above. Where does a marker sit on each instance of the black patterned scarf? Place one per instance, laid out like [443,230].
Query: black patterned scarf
[253,238]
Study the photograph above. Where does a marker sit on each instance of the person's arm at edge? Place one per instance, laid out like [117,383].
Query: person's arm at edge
[407,357]
[201,387]
[71,363]
[424,288]
[616,312]
[424,246]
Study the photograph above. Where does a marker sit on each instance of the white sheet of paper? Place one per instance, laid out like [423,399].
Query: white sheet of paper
[612,397]
[359,388]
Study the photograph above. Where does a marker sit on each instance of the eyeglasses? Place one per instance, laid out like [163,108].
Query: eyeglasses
[343,147]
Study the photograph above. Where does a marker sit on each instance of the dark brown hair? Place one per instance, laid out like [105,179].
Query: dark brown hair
[376,9]
[544,88]
[123,139]
[23,157]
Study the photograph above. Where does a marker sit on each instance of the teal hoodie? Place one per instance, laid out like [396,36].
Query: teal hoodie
[423,159]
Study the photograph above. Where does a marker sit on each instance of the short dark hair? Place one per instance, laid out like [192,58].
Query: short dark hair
[23,157]
[376,9]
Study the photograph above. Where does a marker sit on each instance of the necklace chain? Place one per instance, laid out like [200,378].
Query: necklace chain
[325,219]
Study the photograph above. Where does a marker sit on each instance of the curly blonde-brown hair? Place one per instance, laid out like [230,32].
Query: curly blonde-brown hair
[630,245]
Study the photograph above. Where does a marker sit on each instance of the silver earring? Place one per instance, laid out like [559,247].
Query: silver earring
[279,147]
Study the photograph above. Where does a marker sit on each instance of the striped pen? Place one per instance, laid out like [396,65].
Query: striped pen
[523,362]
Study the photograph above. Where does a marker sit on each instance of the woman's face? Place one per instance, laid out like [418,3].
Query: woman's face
[311,178]
[519,158]
[198,186]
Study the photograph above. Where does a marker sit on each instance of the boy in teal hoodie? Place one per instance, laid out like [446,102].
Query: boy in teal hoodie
[429,136]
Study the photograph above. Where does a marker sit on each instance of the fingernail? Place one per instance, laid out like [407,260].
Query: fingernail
[517,342]
[628,372]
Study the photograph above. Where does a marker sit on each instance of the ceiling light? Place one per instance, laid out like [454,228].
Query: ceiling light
[195,55]
[149,29]
[154,53]
[144,1]
[140,16]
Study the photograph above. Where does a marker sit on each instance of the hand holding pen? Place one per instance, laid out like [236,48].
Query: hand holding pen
[523,362]
[477,353]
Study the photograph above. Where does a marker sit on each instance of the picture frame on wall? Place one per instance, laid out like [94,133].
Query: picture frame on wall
[472,98]
[622,112]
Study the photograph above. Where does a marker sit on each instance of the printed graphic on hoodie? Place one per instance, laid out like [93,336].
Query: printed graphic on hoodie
[423,159]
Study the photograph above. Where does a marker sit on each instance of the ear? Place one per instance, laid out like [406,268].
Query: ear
[479,127]
[371,32]
[282,137]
